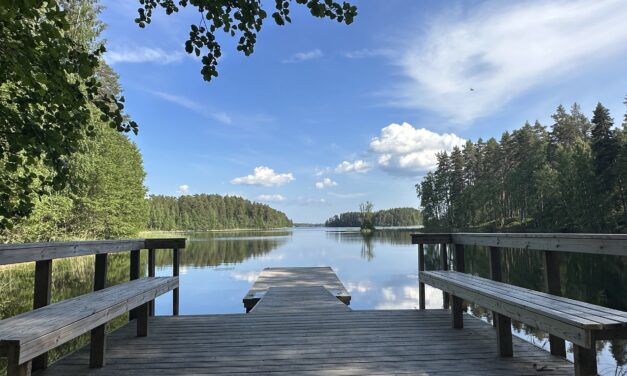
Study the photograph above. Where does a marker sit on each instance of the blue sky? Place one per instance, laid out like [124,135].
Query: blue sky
[324,116]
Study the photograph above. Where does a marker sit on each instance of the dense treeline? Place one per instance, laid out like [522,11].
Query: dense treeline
[387,217]
[211,212]
[105,194]
[569,178]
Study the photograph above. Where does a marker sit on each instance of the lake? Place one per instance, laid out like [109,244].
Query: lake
[379,270]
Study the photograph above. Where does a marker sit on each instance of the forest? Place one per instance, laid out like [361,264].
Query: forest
[387,217]
[570,177]
[211,212]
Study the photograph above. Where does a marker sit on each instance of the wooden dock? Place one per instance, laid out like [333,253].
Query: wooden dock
[306,330]
[296,277]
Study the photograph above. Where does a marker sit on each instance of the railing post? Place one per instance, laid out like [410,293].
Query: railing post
[502,323]
[41,298]
[421,268]
[175,272]
[134,274]
[98,334]
[553,286]
[585,360]
[444,266]
[151,273]
[457,306]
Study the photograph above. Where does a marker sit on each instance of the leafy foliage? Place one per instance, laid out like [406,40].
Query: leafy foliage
[237,18]
[386,217]
[571,178]
[49,88]
[211,212]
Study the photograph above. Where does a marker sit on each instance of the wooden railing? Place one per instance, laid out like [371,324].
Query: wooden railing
[43,254]
[550,244]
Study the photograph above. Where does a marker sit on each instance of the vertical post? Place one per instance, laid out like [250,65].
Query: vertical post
[41,298]
[151,273]
[457,308]
[98,335]
[134,274]
[585,360]
[553,286]
[444,266]
[421,268]
[175,272]
[503,323]
[142,320]
[13,366]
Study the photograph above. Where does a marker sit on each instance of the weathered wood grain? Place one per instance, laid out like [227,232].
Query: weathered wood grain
[300,299]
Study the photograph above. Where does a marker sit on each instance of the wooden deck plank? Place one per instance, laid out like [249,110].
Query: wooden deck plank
[296,277]
[340,343]
[300,299]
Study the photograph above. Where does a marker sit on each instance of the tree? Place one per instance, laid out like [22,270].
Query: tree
[48,87]
[237,18]
[365,210]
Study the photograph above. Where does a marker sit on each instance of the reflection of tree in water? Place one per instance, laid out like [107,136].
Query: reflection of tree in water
[225,248]
[367,249]
[394,237]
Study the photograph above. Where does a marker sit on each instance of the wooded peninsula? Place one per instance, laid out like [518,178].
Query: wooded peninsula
[383,218]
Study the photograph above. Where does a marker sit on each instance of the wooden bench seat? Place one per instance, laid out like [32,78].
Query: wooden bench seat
[575,321]
[25,336]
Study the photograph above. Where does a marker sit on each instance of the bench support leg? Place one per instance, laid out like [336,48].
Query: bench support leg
[97,347]
[585,361]
[13,366]
[457,312]
[504,335]
[558,346]
[142,320]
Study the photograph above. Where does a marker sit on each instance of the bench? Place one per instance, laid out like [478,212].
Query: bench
[25,336]
[578,322]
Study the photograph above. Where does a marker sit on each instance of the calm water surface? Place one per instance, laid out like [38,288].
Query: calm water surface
[379,270]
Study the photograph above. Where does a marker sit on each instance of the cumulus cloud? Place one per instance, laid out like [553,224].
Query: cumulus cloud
[183,189]
[325,183]
[407,150]
[142,55]
[265,176]
[300,57]
[355,166]
[503,49]
[271,198]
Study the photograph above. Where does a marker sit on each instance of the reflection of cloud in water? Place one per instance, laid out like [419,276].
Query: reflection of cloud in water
[406,297]
[249,277]
[359,286]
[273,257]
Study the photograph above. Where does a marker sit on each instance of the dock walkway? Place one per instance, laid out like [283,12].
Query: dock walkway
[322,337]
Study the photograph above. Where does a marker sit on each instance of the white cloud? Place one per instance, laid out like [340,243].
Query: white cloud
[142,55]
[348,195]
[194,106]
[503,49]
[321,171]
[249,277]
[366,53]
[299,57]
[356,166]
[183,189]
[271,198]
[265,176]
[403,149]
[325,183]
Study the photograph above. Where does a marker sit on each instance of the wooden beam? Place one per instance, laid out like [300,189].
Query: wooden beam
[142,320]
[27,252]
[14,368]
[134,274]
[444,266]
[457,309]
[585,361]
[430,238]
[175,273]
[495,272]
[41,298]
[553,285]
[421,268]
[98,339]
[504,335]
[151,273]
[165,243]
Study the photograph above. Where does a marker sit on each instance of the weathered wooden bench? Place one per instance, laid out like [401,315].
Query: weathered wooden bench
[26,338]
[564,319]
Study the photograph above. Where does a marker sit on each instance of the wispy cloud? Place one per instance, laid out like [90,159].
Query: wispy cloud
[355,166]
[469,64]
[142,55]
[405,150]
[271,198]
[199,108]
[264,176]
[300,57]
[365,53]
[325,183]
[348,195]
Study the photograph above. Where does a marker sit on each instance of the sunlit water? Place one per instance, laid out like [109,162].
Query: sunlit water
[380,272]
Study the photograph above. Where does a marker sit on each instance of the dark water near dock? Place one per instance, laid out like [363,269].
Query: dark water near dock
[379,270]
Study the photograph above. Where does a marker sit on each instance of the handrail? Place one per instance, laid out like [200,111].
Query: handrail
[601,244]
[27,252]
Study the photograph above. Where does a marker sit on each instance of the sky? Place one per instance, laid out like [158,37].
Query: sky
[324,116]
